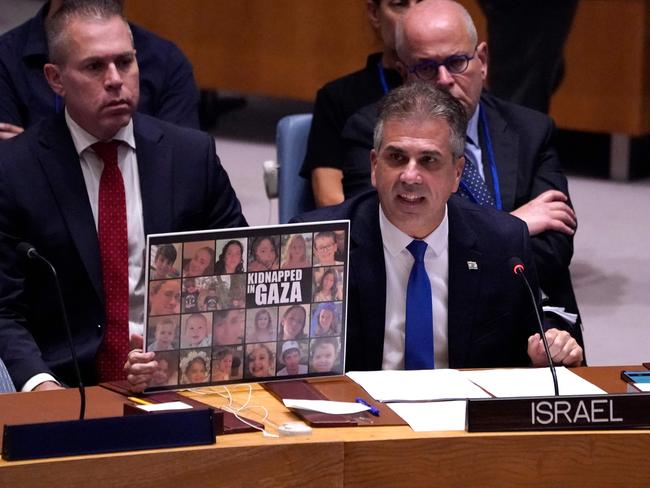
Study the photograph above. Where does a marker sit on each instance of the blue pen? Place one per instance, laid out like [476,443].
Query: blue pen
[373,410]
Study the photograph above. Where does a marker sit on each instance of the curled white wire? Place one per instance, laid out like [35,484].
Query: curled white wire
[236,411]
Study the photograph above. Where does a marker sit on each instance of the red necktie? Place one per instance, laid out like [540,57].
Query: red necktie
[114,253]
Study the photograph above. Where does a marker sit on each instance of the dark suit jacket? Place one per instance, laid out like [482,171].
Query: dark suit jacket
[489,315]
[527,165]
[167,87]
[43,201]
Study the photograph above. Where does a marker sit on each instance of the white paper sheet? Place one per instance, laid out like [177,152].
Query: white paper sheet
[416,385]
[530,382]
[432,416]
[325,406]
[161,407]
[642,386]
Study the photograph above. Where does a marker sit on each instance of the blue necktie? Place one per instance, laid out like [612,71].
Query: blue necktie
[418,350]
[472,184]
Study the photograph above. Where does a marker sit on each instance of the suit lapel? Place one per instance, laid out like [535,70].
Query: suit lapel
[464,285]
[505,142]
[369,272]
[156,176]
[60,162]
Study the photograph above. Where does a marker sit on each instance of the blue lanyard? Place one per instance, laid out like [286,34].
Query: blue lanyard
[382,78]
[491,159]
[491,162]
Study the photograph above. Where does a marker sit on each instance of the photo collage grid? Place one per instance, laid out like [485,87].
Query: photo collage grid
[261,305]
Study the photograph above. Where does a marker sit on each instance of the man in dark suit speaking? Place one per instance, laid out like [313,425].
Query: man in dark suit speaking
[511,161]
[85,188]
[429,281]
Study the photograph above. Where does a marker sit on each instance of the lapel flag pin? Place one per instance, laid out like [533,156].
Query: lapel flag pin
[471,265]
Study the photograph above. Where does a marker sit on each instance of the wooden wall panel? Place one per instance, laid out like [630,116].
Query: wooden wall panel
[289,48]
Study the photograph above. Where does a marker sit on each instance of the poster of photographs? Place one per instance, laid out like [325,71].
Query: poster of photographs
[244,305]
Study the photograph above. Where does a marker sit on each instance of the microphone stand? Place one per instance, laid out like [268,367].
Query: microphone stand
[519,271]
[31,253]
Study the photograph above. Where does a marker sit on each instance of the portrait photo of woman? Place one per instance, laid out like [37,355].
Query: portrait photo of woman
[198,258]
[231,257]
[328,285]
[325,319]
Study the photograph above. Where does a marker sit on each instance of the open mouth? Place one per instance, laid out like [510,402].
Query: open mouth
[410,198]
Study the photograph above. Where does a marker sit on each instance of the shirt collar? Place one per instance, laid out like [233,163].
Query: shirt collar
[395,241]
[472,126]
[83,140]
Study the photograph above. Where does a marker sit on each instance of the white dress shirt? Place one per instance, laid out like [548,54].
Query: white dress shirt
[92,167]
[399,262]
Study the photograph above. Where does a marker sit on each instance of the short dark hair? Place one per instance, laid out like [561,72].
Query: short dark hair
[322,341]
[257,241]
[426,101]
[70,9]
[324,235]
[167,252]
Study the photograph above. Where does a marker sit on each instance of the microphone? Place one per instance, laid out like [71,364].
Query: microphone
[518,268]
[30,251]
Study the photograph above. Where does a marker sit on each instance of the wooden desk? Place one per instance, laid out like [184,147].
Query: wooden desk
[362,456]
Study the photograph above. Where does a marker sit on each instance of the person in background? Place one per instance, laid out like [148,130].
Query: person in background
[84,187]
[337,100]
[510,158]
[168,90]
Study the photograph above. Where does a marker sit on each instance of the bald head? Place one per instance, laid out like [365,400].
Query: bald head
[429,16]
[436,31]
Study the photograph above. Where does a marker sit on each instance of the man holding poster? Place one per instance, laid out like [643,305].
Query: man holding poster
[84,188]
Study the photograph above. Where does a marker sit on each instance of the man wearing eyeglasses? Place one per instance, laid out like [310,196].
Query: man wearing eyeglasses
[325,249]
[511,163]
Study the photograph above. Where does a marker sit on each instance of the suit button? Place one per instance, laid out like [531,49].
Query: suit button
[99,329]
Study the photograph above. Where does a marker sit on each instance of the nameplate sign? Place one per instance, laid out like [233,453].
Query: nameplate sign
[593,412]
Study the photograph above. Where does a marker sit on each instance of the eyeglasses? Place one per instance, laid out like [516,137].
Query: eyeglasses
[428,70]
[325,248]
